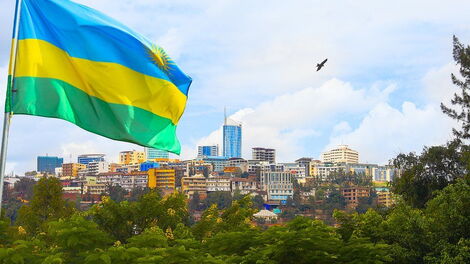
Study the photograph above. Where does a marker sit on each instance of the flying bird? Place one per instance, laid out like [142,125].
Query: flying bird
[320,65]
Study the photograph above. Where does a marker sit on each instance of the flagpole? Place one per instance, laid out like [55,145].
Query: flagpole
[10,85]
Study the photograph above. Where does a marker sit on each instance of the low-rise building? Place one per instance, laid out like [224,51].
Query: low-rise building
[264,154]
[278,184]
[95,188]
[385,197]
[95,167]
[132,157]
[320,171]
[244,185]
[72,169]
[134,180]
[383,173]
[299,172]
[218,162]
[163,179]
[145,166]
[218,184]
[305,163]
[351,194]
[194,184]
[128,181]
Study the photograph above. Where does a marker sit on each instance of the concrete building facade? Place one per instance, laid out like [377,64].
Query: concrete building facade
[264,154]
[341,154]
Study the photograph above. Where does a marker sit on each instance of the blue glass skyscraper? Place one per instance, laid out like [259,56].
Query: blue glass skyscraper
[48,164]
[232,137]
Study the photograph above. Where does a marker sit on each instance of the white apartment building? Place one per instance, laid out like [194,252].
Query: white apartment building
[127,181]
[218,184]
[277,184]
[95,167]
[244,185]
[134,180]
[383,173]
[341,154]
[321,171]
[299,172]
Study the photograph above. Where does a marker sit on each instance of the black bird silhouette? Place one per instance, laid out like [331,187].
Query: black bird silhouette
[320,65]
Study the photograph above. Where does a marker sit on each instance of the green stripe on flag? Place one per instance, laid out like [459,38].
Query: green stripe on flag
[54,98]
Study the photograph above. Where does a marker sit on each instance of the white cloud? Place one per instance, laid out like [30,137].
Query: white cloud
[288,120]
[437,83]
[385,131]
[342,127]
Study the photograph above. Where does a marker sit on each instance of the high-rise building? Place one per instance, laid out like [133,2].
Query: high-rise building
[341,154]
[87,158]
[212,150]
[264,154]
[232,137]
[152,153]
[131,157]
[48,164]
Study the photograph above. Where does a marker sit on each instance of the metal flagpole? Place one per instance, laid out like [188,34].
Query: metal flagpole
[10,85]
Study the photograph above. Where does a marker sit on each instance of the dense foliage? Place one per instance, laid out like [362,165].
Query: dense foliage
[156,230]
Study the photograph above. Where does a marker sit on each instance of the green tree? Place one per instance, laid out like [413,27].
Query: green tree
[347,224]
[462,101]
[449,213]
[195,202]
[24,188]
[369,225]
[335,200]
[258,202]
[153,237]
[364,203]
[222,199]
[116,192]
[406,230]
[433,170]
[136,193]
[75,237]
[47,204]
[116,219]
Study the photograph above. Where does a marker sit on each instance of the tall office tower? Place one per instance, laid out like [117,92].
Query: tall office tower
[232,137]
[48,164]
[264,154]
[341,154]
[87,158]
[152,153]
[204,151]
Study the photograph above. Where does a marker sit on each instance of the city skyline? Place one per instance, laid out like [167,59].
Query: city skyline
[386,75]
[259,155]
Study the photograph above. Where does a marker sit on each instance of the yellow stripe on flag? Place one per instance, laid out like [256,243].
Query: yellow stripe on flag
[110,82]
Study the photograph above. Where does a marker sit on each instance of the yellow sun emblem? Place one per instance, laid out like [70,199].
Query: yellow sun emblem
[160,58]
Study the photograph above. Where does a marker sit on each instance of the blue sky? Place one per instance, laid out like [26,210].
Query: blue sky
[388,69]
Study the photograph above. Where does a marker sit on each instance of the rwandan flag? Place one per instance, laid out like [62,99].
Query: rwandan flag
[76,64]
